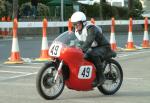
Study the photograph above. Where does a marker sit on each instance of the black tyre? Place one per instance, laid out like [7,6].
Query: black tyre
[114,77]
[45,84]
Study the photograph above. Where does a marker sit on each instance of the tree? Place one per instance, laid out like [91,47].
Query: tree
[26,10]
[45,1]
[23,1]
[34,2]
[102,4]
[136,9]
[5,8]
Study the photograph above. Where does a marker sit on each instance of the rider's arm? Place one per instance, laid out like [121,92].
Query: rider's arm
[91,34]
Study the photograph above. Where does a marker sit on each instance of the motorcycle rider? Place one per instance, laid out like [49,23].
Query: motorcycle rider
[93,43]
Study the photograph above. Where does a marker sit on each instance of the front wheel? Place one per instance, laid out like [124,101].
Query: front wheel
[46,86]
[114,77]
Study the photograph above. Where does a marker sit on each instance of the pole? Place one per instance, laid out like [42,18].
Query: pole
[130,4]
[15,9]
[102,2]
[62,13]
[62,10]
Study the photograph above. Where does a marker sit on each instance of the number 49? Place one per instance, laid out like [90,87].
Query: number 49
[85,72]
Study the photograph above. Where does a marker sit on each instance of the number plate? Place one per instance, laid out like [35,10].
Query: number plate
[55,49]
[85,72]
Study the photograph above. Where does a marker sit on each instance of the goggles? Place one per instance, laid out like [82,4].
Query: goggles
[77,23]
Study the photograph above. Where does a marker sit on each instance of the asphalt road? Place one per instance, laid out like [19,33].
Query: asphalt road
[17,82]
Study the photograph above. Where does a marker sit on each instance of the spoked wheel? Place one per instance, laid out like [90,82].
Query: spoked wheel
[113,78]
[46,86]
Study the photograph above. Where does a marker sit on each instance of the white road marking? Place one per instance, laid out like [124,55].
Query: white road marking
[17,84]
[13,72]
[17,76]
[23,75]
[36,63]
[131,54]
[23,66]
[137,78]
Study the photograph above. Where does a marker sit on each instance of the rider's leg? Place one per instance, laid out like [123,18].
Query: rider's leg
[94,56]
[99,70]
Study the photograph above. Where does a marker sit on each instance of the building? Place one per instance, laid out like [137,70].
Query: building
[111,2]
[88,2]
[146,7]
[116,2]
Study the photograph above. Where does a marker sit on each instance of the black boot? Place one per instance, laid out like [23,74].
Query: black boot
[99,71]
[100,75]
[100,78]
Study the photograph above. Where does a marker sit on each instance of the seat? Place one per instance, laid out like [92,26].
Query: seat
[111,54]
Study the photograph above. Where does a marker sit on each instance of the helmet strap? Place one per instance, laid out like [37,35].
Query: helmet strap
[84,23]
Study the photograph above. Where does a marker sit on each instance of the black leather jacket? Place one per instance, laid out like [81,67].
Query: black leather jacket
[94,34]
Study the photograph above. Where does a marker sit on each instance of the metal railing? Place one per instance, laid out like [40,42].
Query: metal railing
[64,24]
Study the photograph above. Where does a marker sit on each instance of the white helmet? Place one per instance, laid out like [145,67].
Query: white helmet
[78,16]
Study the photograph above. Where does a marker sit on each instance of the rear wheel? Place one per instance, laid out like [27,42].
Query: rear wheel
[114,77]
[46,86]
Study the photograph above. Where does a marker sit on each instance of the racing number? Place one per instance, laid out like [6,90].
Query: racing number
[54,50]
[85,72]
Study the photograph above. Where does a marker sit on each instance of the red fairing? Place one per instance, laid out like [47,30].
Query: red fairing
[82,72]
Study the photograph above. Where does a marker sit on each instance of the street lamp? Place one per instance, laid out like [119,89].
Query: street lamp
[62,10]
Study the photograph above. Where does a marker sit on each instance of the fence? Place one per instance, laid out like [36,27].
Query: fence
[64,24]
[15,55]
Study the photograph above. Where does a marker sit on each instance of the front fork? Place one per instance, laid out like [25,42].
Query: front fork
[58,70]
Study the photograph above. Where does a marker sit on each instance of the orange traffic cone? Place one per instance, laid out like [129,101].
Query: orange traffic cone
[130,45]
[7,32]
[44,50]
[112,40]
[92,21]
[15,55]
[3,32]
[69,25]
[146,43]
[8,19]
[112,36]
[4,18]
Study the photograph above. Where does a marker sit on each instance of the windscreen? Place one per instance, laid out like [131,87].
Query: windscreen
[68,38]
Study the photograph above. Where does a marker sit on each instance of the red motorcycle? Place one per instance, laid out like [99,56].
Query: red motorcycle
[68,67]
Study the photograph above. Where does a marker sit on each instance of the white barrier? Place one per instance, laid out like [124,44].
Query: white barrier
[64,24]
